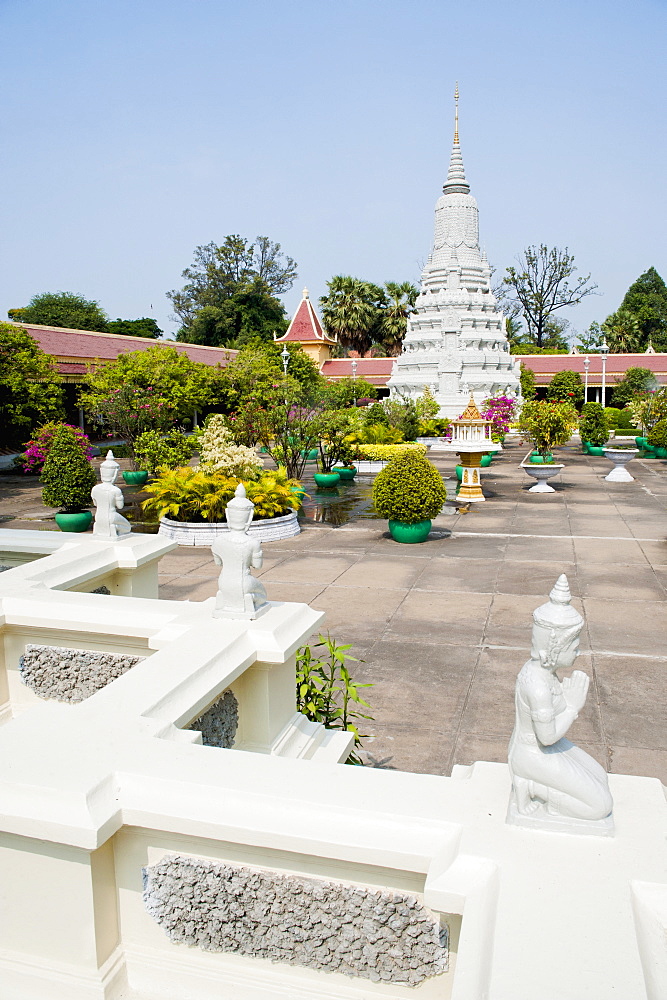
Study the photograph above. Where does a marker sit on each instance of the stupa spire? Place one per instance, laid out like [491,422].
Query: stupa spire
[456,178]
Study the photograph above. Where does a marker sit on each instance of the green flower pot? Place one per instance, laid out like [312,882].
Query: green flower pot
[327,480]
[661,452]
[135,478]
[459,473]
[409,533]
[585,447]
[537,458]
[310,455]
[485,461]
[79,521]
[299,491]
[345,472]
[593,449]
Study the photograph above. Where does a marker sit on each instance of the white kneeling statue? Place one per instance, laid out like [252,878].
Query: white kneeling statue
[239,595]
[108,500]
[555,784]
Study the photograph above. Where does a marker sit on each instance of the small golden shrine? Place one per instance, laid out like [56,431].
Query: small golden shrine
[471,438]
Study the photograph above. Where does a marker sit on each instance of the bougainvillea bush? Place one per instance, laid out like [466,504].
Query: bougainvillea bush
[33,458]
[501,410]
[130,411]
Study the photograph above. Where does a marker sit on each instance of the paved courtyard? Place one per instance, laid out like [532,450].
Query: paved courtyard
[443,627]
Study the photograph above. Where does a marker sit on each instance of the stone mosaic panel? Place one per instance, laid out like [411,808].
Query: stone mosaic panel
[71,675]
[219,723]
[387,937]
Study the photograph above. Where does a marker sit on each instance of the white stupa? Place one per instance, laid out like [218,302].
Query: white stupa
[455,341]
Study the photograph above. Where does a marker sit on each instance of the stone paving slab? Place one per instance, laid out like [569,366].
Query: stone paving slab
[444,626]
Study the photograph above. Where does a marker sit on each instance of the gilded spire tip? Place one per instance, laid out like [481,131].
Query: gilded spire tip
[456,113]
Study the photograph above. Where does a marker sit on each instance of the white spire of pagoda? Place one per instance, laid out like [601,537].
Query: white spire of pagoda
[456,335]
[456,176]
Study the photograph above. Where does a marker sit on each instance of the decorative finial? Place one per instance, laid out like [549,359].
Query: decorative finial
[305,293]
[456,112]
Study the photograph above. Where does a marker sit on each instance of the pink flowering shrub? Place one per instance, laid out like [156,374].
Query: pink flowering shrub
[130,411]
[501,410]
[32,460]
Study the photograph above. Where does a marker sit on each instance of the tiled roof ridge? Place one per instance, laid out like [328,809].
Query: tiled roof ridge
[116,336]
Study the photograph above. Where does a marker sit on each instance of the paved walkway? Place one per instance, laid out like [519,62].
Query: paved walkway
[443,627]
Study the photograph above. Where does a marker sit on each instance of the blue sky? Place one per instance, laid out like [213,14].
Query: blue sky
[134,131]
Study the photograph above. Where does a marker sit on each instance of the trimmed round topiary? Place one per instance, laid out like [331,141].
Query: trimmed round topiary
[593,425]
[657,436]
[409,489]
[67,476]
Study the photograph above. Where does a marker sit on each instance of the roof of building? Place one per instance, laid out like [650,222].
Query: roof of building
[375,370]
[305,327]
[545,366]
[73,349]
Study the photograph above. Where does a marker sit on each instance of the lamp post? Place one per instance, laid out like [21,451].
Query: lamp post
[587,364]
[354,379]
[284,354]
[604,351]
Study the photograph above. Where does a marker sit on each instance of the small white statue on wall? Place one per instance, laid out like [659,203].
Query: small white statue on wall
[108,500]
[555,784]
[239,595]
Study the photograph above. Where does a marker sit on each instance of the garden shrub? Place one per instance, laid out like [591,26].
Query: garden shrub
[566,387]
[625,421]
[154,450]
[219,453]
[434,428]
[593,424]
[548,424]
[657,436]
[199,495]
[380,434]
[375,414]
[385,452]
[34,456]
[612,414]
[67,476]
[409,489]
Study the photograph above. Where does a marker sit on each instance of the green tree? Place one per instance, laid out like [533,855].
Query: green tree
[399,302]
[646,300]
[635,381]
[249,314]
[257,371]
[622,332]
[591,338]
[144,327]
[544,282]
[351,312]
[65,309]
[527,380]
[30,388]
[181,384]
[236,283]
[566,387]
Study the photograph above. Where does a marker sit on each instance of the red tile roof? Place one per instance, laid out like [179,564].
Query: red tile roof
[305,326]
[377,371]
[546,366]
[67,346]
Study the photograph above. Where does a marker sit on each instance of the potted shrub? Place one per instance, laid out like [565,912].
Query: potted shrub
[154,450]
[409,492]
[657,438]
[593,428]
[67,478]
[190,504]
[548,424]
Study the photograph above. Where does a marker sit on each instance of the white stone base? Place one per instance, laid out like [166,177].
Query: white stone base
[271,529]
[542,820]
[369,467]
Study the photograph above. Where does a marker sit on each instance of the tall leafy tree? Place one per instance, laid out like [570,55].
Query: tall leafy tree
[237,284]
[646,300]
[65,309]
[144,327]
[399,303]
[351,311]
[544,282]
[30,387]
[622,332]
[635,382]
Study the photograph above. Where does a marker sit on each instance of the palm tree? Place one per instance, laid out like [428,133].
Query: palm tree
[400,301]
[622,332]
[350,311]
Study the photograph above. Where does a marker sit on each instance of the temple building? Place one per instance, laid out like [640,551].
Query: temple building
[456,342]
[306,330]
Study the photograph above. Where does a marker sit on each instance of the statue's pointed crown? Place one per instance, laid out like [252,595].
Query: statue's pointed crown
[109,462]
[456,182]
[558,612]
[239,500]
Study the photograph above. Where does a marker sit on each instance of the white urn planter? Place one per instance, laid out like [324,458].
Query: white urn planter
[270,529]
[541,473]
[620,457]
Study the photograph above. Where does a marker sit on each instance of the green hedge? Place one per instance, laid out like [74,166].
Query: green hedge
[409,489]
[386,452]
